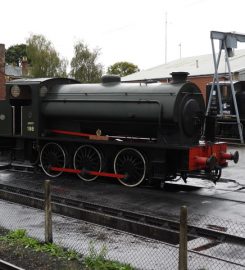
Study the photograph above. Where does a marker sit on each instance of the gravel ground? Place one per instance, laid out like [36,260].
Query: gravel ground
[74,234]
[29,259]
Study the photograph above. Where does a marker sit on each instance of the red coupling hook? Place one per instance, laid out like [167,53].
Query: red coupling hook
[230,156]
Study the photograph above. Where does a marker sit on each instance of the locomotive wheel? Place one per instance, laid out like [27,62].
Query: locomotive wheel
[87,158]
[131,163]
[52,155]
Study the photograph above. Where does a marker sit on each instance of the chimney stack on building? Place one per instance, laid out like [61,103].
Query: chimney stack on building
[24,65]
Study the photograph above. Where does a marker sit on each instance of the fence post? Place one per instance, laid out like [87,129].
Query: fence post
[183,239]
[48,212]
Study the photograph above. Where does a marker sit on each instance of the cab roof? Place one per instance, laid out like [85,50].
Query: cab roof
[42,80]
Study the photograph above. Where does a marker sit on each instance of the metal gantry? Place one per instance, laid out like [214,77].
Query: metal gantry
[228,41]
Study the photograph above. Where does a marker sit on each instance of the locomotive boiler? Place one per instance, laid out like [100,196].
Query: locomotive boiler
[170,112]
[129,131]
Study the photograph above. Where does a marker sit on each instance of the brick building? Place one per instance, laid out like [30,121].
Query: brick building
[200,68]
[10,72]
[2,71]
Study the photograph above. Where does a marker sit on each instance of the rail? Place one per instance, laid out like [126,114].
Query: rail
[162,229]
[8,266]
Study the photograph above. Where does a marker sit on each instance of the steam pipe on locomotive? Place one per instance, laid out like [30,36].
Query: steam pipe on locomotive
[129,131]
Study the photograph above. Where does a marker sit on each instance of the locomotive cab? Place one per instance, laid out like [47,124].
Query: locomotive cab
[20,121]
[20,111]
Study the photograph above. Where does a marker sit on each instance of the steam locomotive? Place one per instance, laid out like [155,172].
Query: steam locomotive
[129,131]
[226,126]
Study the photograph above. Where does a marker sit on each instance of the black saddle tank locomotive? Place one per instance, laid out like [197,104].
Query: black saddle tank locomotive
[130,131]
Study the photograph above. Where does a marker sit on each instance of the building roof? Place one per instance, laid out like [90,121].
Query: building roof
[195,65]
[13,71]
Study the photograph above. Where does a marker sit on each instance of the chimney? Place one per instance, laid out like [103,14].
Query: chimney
[2,71]
[179,76]
[24,65]
[197,63]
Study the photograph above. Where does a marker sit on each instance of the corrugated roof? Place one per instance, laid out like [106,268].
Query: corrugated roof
[195,65]
[13,71]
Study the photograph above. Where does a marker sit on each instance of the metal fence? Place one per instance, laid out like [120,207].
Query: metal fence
[141,253]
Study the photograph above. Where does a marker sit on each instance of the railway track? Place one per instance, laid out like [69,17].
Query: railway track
[240,191]
[162,229]
[8,266]
[30,169]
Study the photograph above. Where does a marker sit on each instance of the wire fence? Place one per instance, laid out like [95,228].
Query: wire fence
[141,253]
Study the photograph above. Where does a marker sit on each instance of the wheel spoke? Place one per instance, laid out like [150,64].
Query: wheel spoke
[87,158]
[52,155]
[131,163]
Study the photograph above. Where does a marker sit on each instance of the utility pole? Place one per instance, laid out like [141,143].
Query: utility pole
[180,50]
[166,36]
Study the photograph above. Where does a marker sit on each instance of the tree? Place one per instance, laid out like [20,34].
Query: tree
[45,61]
[15,53]
[122,69]
[83,65]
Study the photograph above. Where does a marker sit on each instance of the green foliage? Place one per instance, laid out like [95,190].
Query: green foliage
[45,61]
[97,261]
[83,65]
[15,53]
[122,69]
[94,261]
[17,234]
[19,237]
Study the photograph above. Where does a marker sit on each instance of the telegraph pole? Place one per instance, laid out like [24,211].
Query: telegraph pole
[166,36]
[180,50]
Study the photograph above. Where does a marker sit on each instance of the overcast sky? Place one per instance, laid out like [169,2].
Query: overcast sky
[128,30]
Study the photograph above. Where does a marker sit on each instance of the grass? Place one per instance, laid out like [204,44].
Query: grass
[93,261]
[97,261]
[20,237]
